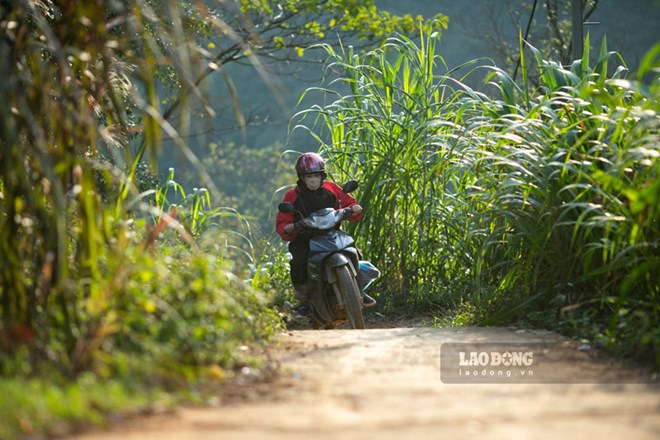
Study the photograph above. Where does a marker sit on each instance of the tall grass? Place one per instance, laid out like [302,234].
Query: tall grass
[526,203]
[379,132]
[91,258]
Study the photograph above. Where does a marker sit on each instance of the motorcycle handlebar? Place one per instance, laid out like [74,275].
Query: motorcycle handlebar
[346,213]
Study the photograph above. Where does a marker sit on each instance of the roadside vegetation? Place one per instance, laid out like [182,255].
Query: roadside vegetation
[506,202]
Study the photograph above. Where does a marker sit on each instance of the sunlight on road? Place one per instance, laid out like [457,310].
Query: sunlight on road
[386,384]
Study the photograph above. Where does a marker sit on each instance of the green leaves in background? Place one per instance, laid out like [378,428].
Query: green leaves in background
[512,199]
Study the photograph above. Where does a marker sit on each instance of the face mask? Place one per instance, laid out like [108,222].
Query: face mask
[313,182]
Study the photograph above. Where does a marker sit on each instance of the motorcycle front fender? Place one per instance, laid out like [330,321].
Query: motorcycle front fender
[333,261]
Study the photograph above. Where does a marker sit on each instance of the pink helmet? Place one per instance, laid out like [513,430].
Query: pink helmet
[310,163]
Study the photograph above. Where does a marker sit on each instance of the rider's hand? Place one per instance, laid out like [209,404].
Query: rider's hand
[288,229]
[350,212]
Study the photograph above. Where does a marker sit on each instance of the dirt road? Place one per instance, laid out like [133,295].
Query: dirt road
[390,384]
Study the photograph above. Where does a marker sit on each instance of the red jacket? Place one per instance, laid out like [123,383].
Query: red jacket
[336,197]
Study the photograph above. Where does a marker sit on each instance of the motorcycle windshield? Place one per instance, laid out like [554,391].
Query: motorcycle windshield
[324,219]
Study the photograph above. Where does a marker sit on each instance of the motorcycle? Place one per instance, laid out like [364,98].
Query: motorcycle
[335,273]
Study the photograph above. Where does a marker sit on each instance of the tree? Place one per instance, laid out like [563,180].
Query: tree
[273,36]
[545,24]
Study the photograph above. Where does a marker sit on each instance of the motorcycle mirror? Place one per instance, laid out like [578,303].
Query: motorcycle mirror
[350,186]
[286,207]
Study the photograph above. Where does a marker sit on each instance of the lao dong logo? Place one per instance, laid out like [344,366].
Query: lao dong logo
[495,359]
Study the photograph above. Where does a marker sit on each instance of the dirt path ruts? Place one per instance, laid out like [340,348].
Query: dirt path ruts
[386,384]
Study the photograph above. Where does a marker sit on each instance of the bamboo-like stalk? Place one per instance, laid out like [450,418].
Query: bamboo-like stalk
[78,82]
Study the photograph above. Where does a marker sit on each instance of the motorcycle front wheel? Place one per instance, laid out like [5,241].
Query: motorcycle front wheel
[350,293]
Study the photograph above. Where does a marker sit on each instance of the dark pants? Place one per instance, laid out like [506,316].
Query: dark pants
[299,250]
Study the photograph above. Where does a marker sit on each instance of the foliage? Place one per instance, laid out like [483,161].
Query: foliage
[28,407]
[322,16]
[82,116]
[269,36]
[102,269]
[526,200]
[183,310]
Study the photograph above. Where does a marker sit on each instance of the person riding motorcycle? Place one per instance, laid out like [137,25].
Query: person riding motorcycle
[311,193]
